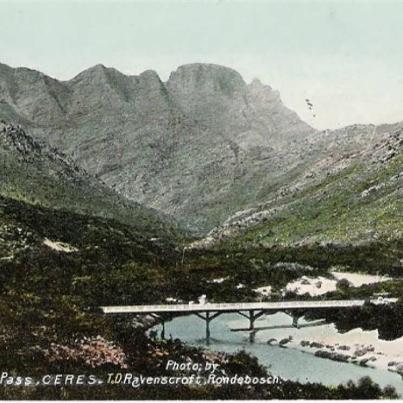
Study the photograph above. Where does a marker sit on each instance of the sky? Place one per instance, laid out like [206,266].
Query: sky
[345,56]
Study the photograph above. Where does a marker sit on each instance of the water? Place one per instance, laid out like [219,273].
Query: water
[287,363]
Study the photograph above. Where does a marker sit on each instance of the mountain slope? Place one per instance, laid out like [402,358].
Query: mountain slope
[39,175]
[199,147]
[350,195]
[202,146]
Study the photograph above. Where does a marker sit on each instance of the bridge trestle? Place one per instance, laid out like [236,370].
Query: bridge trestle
[162,318]
[251,315]
[208,317]
[295,315]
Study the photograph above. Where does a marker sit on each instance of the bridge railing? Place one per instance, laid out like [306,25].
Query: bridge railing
[244,306]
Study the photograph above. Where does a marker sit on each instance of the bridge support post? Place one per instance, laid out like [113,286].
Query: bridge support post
[208,320]
[252,335]
[163,329]
[209,316]
[251,320]
[252,316]
[295,315]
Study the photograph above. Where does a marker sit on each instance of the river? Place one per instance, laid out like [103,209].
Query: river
[288,363]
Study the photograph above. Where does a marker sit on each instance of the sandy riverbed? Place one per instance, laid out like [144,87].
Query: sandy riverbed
[356,346]
[315,286]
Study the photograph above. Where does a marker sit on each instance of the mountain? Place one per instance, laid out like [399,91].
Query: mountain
[209,149]
[199,147]
[35,173]
[204,146]
[353,193]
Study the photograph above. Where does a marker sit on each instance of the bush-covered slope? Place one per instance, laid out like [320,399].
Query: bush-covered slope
[350,200]
[56,264]
[43,176]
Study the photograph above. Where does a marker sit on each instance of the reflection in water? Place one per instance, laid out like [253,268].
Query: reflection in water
[256,329]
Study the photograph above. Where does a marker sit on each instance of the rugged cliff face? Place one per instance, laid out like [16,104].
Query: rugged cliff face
[199,147]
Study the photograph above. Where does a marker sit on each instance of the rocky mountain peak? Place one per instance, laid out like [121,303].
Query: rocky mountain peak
[150,79]
[150,75]
[182,147]
[208,93]
[96,75]
[258,85]
[211,78]
[96,69]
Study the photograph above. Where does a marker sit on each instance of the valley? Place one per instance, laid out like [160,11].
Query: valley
[124,190]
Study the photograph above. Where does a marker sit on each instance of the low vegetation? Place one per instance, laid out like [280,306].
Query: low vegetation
[45,295]
[117,252]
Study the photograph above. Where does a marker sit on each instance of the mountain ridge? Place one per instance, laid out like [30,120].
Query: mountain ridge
[200,146]
[181,147]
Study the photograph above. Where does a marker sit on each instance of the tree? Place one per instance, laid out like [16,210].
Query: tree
[343,284]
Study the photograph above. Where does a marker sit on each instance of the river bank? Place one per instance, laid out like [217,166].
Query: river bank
[292,364]
[357,346]
[316,286]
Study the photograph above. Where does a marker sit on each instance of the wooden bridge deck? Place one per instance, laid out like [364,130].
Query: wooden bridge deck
[236,307]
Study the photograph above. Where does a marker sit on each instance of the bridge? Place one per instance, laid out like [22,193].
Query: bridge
[249,310]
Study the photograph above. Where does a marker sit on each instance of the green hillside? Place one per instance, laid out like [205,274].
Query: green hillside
[42,176]
[340,209]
